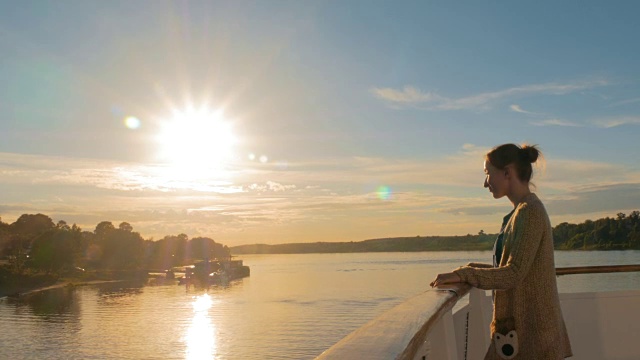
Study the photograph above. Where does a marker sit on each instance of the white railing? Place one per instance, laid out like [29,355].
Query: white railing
[425,327]
[406,331]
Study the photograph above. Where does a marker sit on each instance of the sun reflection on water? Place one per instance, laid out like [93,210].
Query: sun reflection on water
[200,337]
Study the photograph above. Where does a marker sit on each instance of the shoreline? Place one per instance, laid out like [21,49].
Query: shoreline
[21,292]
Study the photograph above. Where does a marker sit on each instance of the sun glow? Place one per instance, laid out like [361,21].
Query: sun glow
[201,337]
[196,142]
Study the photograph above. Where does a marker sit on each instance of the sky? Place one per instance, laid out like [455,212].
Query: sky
[303,121]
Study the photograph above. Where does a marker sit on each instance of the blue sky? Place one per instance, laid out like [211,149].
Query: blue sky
[339,120]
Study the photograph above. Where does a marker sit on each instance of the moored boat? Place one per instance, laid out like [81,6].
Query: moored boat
[214,272]
[601,325]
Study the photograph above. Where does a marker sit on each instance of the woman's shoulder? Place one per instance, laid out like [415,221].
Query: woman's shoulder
[531,204]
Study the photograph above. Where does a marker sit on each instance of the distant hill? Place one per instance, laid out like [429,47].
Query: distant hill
[398,244]
[619,233]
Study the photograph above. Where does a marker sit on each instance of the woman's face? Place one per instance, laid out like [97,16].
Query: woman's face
[496,180]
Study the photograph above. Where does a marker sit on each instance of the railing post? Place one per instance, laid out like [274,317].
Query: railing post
[441,343]
[479,305]
[450,335]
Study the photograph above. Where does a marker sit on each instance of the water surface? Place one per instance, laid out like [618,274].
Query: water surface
[292,307]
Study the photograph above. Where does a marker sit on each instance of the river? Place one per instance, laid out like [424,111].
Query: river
[292,307]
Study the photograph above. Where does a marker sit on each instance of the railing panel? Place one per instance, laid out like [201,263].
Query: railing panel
[400,332]
[440,341]
[603,325]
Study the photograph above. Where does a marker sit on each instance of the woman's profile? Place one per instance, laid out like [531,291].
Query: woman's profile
[527,318]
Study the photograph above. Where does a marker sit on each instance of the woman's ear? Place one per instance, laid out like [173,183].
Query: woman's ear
[506,172]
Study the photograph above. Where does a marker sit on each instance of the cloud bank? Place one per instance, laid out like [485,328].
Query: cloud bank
[333,199]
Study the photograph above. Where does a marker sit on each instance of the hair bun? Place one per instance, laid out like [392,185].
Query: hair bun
[530,153]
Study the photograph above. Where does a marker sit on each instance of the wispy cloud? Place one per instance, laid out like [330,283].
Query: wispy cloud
[555,122]
[598,198]
[270,186]
[617,121]
[605,123]
[413,96]
[518,109]
[476,210]
[625,102]
[566,175]
[408,95]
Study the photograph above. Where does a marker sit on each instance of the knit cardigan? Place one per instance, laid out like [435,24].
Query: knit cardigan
[527,318]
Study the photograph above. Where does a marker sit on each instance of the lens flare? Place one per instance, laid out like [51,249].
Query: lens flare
[132,122]
[383,192]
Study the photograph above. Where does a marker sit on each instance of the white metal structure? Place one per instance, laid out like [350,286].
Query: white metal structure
[601,325]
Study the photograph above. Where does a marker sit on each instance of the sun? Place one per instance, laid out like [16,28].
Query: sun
[196,141]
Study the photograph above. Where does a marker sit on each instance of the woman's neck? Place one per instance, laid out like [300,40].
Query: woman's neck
[518,194]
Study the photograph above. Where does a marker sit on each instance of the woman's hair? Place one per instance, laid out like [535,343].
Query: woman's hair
[521,156]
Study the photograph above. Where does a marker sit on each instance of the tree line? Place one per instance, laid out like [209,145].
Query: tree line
[467,242]
[619,233]
[34,242]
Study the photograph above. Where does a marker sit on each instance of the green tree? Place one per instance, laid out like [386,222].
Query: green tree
[22,233]
[57,249]
[561,234]
[200,248]
[17,251]
[62,225]
[121,249]
[207,248]
[125,226]
[5,237]
[103,229]
[30,225]
[170,251]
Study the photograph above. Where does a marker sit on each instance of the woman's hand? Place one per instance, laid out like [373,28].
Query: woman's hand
[446,278]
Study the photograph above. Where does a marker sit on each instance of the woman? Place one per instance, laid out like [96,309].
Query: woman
[527,319]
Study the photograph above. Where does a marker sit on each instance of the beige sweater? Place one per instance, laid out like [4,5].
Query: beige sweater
[527,319]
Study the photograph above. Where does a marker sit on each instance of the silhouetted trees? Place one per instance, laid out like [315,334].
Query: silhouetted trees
[179,250]
[21,235]
[35,242]
[120,248]
[57,249]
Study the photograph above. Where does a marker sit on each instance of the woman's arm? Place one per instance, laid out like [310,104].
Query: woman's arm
[446,278]
[480,265]
[527,235]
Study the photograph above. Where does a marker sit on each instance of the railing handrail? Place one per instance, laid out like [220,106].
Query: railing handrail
[596,269]
[380,339]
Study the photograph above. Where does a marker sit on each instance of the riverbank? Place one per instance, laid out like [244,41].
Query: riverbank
[24,290]
[15,285]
